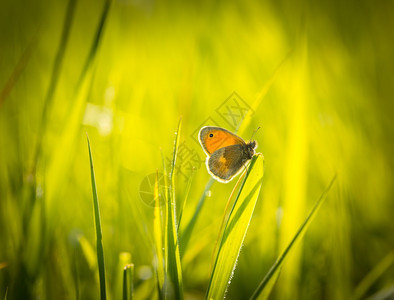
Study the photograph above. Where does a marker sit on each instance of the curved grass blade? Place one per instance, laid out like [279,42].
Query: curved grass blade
[173,286]
[372,276]
[128,287]
[99,236]
[383,294]
[235,229]
[266,285]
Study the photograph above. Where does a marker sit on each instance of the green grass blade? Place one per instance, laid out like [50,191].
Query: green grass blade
[235,229]
[386,293]
[99,237]
[186,234]
[373,276]
[175,152]
[266,285]
[173,287]
[128,287]
[96,42]
[55,75]
[165,175]
[124,259]
[187,193]
[162,290]
[225,217]
[88,252]
[69,136]
[158,237]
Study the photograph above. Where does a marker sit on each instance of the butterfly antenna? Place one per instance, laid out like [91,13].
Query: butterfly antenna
[254,132]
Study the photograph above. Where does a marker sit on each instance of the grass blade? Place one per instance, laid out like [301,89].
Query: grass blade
[99,237]
[56,68]
[384,294]
[76,109]
[128,287]
[187,193]
[96,42]
[373,276]
[158,237]
[225,217]
[235,229]
[88,252]
[173,287]
[266,285]
[187,233]
[55,75]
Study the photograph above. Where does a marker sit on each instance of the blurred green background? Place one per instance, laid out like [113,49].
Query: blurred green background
[316,76]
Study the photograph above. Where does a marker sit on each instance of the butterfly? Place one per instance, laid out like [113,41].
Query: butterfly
[226,152]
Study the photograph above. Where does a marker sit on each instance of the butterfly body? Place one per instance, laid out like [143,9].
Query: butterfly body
[226,152]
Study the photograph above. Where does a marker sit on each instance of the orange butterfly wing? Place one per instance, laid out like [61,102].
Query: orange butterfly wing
[214,138]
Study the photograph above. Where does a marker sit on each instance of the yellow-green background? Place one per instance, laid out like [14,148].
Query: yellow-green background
[322,73]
